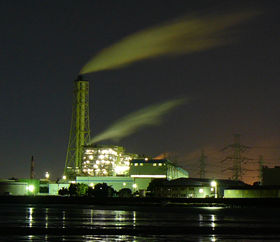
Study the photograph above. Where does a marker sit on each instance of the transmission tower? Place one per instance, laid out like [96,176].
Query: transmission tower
[80,130]
[261,162]
[202,164]
[236,157]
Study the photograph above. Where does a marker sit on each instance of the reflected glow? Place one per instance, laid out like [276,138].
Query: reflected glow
[134,218]
[213,219]
[46,218]
[212,208]
[63,219]
[213,238]
[30,217]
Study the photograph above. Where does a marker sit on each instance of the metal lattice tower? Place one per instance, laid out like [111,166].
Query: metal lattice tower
[80,128]
[261,162]
[202,164]
[237,157]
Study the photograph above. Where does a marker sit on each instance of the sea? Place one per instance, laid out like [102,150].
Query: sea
[43,222]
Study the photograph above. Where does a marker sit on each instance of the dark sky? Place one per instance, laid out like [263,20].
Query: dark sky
[235,88]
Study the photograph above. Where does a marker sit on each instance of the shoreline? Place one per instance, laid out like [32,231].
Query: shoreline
[145,201]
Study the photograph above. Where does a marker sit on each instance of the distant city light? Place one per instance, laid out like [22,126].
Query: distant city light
[134,185]
[200,190]
[64,177]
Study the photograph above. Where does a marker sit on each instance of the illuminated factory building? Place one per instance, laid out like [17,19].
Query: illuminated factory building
[106,160]
[106,163]
[144,170]
[109,164]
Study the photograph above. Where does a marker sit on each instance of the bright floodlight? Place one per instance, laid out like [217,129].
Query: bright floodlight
[47,175]
[213,183]
[64,177]
[30,188]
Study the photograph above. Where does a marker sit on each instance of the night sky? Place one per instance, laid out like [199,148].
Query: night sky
[233,88]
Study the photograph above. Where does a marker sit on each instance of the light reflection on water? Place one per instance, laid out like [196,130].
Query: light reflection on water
[30,218]
[76,217]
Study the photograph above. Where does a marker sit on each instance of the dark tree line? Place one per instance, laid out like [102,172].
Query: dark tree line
[100,190]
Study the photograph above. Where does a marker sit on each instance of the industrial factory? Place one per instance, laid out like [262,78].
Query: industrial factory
[92,163]
[95,163]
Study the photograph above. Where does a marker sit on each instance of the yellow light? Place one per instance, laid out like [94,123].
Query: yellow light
[90,157]
[213,183]
[64,177]
[146,159]
[91,185]
[121,169]
[134,185]
[30,188]
[47,175]
[124,184]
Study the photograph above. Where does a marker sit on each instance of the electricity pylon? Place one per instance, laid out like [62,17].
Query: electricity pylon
[202,164]
[80,128]
[236,157]
[261,162]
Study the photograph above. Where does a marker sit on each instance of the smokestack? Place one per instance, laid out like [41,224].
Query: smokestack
[32,168]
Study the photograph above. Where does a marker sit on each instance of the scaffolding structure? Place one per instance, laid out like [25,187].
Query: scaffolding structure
[80,129]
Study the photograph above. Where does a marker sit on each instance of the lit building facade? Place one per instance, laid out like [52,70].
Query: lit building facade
[143,171]
[106,160]
[154,168]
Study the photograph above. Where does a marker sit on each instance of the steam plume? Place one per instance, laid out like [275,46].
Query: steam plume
[182,36]
[151,115]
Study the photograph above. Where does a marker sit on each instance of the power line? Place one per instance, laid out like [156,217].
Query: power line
[236,157]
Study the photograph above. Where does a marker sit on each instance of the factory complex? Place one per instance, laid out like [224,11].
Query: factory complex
[90,163]
[102,164]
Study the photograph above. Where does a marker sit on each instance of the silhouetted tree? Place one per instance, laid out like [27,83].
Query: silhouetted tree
[103,190]
[63,191]
[78,189]
[125,192]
